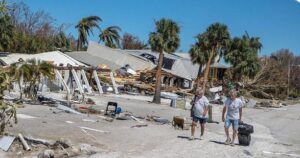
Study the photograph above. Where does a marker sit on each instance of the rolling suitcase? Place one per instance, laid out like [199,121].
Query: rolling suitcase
[244,133]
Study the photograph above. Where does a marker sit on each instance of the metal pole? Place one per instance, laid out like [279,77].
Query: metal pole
[288,84]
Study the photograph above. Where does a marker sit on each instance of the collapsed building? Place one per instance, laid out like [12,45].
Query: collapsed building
[93,70]
[177,68]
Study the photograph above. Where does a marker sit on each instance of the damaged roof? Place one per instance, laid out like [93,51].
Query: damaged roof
[58,58]
[178,64]
[114,58]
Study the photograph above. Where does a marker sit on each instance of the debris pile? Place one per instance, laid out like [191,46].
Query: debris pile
[19,146]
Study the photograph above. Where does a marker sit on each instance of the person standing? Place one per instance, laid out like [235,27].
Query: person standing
[233,107]
[199,112]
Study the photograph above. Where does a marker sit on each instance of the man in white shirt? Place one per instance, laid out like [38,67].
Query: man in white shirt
[199,112]
[233,107]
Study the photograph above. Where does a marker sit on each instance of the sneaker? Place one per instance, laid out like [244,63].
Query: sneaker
[192,138]
[227,142]
[232,144]
[201,138]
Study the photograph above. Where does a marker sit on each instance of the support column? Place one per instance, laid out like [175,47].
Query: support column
[86,82]
[74,74]
[172,81]
[58,81]
[66,78]
[95,74]
[65,85]
[114,83]
[192,84]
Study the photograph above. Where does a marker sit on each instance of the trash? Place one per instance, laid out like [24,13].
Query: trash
[158,119]
[279,153]
[269,104]
[66,143]
[251,103]
[23,116]
[216,89]
[124,116]
[39,141]
[90,101]
[91,129]
[118,110]
[45,100]
[26,146]
[70,122]
[145,125]
[83,108]
[46,154]
[161,120]
[106,118]
[261,94]
[168,95]
[67,109]
[87,149]
[94,109]
[136,119]
[109,111]
[6,141]
[89,120]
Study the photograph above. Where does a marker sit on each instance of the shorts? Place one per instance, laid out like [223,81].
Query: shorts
[198,119]
[235,123]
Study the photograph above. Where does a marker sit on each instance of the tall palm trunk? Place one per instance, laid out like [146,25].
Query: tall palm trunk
[20,82]
[207,69]
[78,43]
[199,76]
[156,98]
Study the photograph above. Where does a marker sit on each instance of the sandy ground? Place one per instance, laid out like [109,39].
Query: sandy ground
[275,131]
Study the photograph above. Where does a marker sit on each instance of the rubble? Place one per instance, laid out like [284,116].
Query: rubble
[67,109]
[6,141]
[24,142]
[269,104]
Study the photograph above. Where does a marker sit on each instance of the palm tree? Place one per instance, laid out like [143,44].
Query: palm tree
[198,56]
[6,33]
[3,7]
[110,36]
[242,54]
[164,39]
[85,28]
[30,72]
[214,42]
[8,111]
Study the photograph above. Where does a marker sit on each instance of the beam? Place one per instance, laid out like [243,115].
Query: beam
[114,83]
[74,74]
[66,77]
[65,85]
[86,82]
[98,82]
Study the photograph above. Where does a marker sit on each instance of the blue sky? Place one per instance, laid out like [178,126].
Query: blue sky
[276,22]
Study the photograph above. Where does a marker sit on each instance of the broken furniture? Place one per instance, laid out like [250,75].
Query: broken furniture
[109,111]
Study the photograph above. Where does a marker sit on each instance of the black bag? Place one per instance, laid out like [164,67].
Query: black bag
[245,128]
[193,104]
[244,139]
